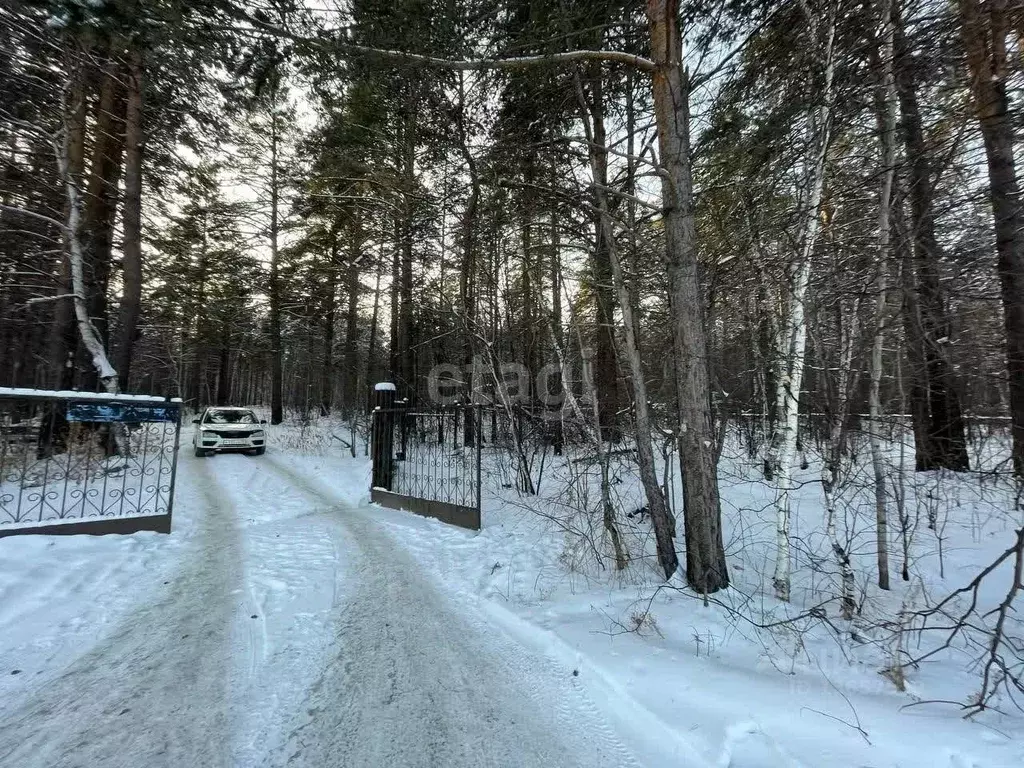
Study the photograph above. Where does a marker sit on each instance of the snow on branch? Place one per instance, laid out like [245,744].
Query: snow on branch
[58,297]
[517,62]
[418,59]
[33,215]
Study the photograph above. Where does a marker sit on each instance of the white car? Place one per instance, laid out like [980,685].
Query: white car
[229,429]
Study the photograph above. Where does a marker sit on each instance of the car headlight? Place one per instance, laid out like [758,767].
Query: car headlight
[258,433]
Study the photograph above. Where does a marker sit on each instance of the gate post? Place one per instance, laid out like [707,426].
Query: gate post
[382,434]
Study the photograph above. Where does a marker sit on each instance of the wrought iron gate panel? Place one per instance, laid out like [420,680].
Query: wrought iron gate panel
[431,463]
[86,463]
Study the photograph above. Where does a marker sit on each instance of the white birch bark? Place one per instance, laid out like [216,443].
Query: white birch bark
[91,340]
[831,468]
[793,329]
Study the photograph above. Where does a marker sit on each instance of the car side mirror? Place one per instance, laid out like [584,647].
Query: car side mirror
[195,421]
[263,421]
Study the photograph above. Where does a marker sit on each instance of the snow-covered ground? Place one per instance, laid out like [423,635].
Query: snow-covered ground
[280,624]
[288,622]
[699,682]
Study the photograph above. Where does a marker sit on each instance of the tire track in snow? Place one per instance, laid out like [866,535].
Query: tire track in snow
[155,691]
[414,682]
[293,578]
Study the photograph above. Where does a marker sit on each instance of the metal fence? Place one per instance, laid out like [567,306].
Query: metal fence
[428,462]
[75,462]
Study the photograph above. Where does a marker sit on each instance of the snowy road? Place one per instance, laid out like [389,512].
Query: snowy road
[297,631]
[155,691]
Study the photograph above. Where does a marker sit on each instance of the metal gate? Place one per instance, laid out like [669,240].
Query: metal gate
[75,462]
[428,461]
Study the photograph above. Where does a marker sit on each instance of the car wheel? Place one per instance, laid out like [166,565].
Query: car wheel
[260,451]
[200,453]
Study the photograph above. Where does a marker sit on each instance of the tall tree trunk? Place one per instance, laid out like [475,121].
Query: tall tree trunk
[766,354]
[831,466]
[706,569]
[468,270]
[224,367]
[530,276]
[330,311]
[394,352]
[350,374]
[629,296]
[131,297]
[90,337]
[555,267]
[913,344]
[63,342]
[985,27]
[198,319]
[371,342]
[793,330]
[406,376]
[277,350]
[101,194]
[555,275]
[943,442]
[885,99]
[526,320]
[71,178]
[605,364]
[661,518]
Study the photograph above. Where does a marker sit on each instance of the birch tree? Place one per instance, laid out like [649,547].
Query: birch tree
[72,181]
[837,412]
[792,342]
[885,107]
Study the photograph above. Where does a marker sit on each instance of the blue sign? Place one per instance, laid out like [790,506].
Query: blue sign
[122,412]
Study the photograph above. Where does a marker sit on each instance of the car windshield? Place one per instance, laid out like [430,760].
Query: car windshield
[230,416]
